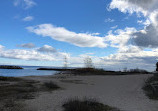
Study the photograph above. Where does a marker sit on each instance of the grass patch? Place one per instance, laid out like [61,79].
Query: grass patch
[51,85]
[14,90]
[2,78]
[19,90]
[86,105]
[151,87]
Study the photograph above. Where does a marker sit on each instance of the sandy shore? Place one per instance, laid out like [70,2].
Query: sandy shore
[123,92]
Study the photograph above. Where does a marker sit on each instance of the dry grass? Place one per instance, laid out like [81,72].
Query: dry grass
[86,105]
[51,85]
[14,90]
[2,78]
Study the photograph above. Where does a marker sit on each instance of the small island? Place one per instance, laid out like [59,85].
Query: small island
[10,67]
[55,69]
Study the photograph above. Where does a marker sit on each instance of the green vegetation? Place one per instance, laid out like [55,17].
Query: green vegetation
[151,87]
[86,105]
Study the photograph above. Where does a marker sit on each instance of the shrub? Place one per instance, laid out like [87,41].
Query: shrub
[151,87]
[137,70]
[51,85]
[91,71]
[86,105]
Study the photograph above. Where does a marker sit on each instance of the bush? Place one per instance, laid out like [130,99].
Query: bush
[86,105]
[151,87]
[51,85]
[91,71]
[137,70]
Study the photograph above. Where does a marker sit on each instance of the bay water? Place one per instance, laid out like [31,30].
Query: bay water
[27,71]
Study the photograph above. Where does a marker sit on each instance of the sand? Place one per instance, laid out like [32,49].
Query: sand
[123,92]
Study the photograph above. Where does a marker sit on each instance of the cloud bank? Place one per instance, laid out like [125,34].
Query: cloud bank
[27,45]
[44,53]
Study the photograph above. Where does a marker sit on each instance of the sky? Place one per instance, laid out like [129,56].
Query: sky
[115,34]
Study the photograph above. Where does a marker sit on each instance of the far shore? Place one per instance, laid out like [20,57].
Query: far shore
[96,71]
[10,67]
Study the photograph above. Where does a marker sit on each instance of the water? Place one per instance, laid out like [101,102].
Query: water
[27,71]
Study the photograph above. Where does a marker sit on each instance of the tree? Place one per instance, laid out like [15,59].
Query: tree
[88,62]
[157,66]
[65,62]
[125,69]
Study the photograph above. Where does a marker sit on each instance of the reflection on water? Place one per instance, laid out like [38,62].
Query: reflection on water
[27,71]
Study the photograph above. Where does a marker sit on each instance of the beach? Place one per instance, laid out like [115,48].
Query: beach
[123,92]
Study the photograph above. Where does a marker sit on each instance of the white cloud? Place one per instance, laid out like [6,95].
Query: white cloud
[109,20]
[140,21]
[16,2]
[154,18]
[62,34]
[27,45]
[149,8]
[120,37]
[95,34]
[29,3]
[1,47]
[114,27]
[33,54]
[131,6]
[26,55]
[144,22]
[132,57]
[147,37]
[47,48]
[28,18]
[26,4]
[147,22]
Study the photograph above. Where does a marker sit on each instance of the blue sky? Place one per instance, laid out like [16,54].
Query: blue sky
[111,32]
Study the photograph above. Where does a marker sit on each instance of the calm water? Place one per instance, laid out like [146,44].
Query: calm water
[27,71]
